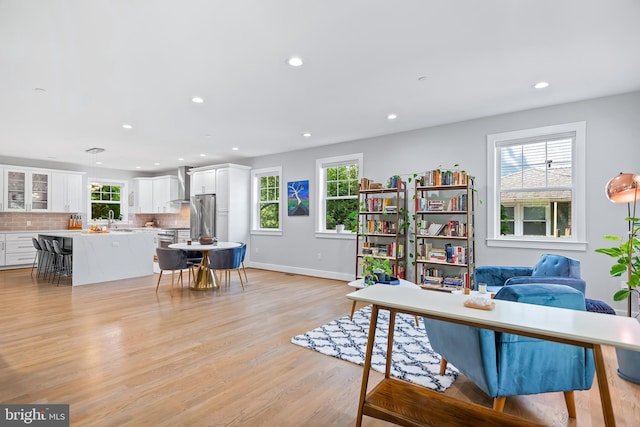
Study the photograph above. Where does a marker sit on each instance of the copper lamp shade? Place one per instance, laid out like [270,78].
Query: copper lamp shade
[624,188]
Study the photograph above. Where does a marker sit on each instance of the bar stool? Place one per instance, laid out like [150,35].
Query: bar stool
[63,262]
[48,257]
[37,259]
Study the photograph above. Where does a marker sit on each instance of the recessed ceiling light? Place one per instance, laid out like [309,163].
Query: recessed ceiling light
[203,155]
[126,126]
[541,85]
[197,100]
[156,164]
[138,167]
[180,159]
[235,148]
[98,163]
[392,116]
[295,61]
[306,135]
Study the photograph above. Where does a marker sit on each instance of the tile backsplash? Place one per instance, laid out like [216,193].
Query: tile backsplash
[27,221]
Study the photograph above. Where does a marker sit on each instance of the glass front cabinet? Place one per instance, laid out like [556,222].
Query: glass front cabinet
[26,190]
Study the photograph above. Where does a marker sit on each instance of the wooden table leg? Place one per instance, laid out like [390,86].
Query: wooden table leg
[367,362]
[392,329]
[603,386]
[353,309]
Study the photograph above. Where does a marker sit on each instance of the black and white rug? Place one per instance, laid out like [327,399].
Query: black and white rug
[413,358]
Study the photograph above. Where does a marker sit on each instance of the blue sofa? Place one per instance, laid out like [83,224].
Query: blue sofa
[550,268]
[504,364]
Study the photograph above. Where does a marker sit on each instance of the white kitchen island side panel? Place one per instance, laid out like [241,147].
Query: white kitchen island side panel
[113,256]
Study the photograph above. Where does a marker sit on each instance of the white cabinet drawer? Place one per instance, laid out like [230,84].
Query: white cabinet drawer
[20,243]
[18,258]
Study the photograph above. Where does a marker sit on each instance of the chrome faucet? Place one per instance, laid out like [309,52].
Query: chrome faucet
[110,218]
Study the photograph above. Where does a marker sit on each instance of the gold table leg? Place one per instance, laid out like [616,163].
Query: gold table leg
[205,279]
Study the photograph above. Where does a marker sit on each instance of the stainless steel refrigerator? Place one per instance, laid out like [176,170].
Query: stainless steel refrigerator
[203,216]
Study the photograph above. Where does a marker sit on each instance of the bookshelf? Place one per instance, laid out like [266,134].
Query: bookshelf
[381,218]
[444,230]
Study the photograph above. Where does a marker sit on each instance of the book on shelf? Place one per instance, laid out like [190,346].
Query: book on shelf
[434,229]
[432,280]
[438,254]
[438,177]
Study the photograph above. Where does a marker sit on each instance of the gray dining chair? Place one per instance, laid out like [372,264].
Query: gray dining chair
[226,260]
[172,260]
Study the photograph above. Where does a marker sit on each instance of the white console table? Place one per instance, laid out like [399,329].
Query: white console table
[580,328]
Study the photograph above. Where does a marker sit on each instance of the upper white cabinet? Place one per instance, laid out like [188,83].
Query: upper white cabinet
[2,190]
[66,192]
[143,195]
[165,189]
[154,195]
[26,190]
[203,181]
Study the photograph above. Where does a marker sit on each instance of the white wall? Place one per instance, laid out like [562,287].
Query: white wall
[613,145]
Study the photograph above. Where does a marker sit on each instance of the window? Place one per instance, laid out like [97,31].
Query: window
[338,179]
[538,191]
[106,197]
[266,190]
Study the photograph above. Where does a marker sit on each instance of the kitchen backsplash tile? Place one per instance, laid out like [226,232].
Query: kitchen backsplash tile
[17,221]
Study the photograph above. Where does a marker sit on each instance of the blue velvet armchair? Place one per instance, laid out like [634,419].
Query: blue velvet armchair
[504,364]
[550,268]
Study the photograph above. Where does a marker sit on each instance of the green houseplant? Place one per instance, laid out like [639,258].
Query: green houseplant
[624,188]
[375,269]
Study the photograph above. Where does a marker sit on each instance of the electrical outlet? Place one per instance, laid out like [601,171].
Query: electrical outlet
[623,284]
[28,223]
[319,256]
[257,250]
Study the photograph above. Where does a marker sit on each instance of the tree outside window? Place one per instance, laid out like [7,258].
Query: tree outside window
[341,193]
[266,194]
[105,198]
[269,204]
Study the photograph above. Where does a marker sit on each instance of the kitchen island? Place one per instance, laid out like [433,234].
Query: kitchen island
[103,257]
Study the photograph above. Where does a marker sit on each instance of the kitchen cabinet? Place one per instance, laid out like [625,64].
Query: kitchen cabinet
[165,189]
[203,181]
[232,190]
[154,195]
[19,248]
[66,192]
[26,190]
[2,191]
[143,195]
[3,249]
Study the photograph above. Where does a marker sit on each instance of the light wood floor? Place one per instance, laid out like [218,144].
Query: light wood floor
[122,355]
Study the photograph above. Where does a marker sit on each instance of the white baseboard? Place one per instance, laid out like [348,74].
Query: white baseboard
[347,277]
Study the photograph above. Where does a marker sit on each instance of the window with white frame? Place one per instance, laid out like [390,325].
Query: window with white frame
[538,192]
[267,206]
[338,179]
[106,200]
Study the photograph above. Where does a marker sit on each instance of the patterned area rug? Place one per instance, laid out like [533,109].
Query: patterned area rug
[413,358]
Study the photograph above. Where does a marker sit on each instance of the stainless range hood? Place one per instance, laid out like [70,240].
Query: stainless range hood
[184,185]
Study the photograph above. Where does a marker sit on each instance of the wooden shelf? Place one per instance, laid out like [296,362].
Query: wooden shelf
[406,404]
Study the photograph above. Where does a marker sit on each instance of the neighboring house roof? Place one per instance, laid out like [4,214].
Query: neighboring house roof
[531,185]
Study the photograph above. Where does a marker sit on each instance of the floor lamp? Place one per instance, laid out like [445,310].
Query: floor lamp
[624,188]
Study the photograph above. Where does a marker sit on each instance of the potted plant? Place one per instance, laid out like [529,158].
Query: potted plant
[375,269]
[624,188]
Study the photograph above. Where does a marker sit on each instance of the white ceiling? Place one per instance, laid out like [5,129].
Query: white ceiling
[104,63]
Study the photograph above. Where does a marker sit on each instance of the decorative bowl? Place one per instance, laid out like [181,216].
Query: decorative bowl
[206,240]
